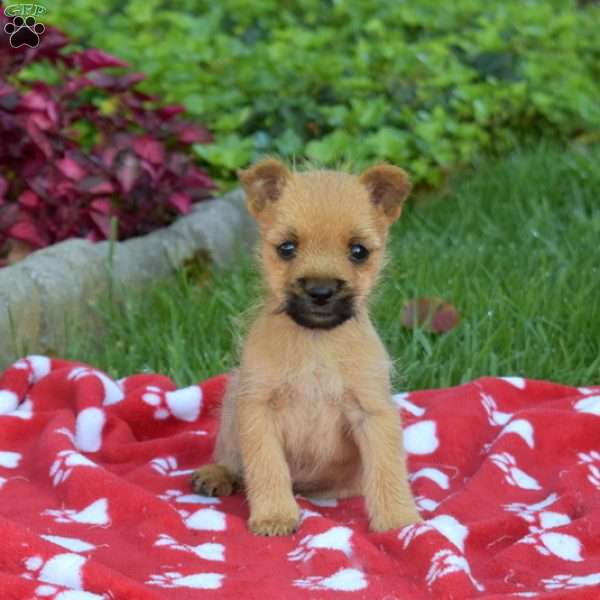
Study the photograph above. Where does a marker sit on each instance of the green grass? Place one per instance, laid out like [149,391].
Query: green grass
[515,246]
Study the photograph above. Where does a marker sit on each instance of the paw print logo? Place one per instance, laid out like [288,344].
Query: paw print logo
[66,461]
[345,580]
[24,32]
[514,476]
[336,538]
[198,581]
[184,404]
[446,562]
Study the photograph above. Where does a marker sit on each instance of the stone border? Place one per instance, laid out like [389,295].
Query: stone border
[58,284]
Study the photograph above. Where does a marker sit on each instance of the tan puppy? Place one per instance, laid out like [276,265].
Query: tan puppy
[310,410]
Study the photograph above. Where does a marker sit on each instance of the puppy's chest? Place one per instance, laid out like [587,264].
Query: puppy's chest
[309,411]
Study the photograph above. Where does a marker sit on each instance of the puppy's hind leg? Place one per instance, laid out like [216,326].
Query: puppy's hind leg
[223,477]
[215,480]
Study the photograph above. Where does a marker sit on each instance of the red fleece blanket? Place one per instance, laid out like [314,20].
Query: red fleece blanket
[95,497]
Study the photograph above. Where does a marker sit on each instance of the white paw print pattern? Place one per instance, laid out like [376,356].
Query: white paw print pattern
[454,531]
[67,433]
[518,382]
[197,581]
[336,538]
[307,513]
[180,497]
[529,512]
[438,477]
[401,401]
[10,460]
[88,429]
[184,404]
[50,592]
[10,407]
[571,582]
[69,543]
[446,562]
[65,462]
[8,402]
[496,417]
[512,473]
[522,428]
[541,521]
[589,405]
[167,465]
[421,438]
[205,519]
[113,393]
[551,543]
[207,551]
[62,569]
[345,580]
[426,504]
[592,460]
[38,366]
[94,514]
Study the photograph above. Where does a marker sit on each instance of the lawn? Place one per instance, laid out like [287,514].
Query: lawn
[512,243]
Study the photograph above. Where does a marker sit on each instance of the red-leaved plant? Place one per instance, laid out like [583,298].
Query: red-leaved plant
[77,153]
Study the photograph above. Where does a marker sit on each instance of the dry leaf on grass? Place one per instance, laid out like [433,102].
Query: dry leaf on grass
[432,314]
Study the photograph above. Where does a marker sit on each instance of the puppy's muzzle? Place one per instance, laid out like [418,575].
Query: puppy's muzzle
[320,303]
[320,291]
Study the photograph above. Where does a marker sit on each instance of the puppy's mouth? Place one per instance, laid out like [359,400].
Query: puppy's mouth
[312,316]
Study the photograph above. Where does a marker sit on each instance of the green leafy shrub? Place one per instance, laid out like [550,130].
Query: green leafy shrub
[425,84]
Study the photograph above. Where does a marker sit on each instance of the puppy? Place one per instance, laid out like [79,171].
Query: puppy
[309,410]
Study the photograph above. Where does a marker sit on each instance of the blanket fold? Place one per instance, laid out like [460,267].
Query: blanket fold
[95,497]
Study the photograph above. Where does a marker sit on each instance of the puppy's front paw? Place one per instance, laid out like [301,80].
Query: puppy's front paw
[273,526]
[395,520]
[214,480]
[275,522]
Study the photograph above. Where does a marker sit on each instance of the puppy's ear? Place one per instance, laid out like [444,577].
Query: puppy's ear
[263,184]
[388,187]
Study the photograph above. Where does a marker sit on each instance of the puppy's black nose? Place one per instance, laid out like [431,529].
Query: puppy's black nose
[320,290]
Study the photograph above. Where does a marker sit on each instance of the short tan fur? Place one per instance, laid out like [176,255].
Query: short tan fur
[309,410]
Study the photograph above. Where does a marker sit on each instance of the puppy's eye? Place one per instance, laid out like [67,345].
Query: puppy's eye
[287,250]
[358,253]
